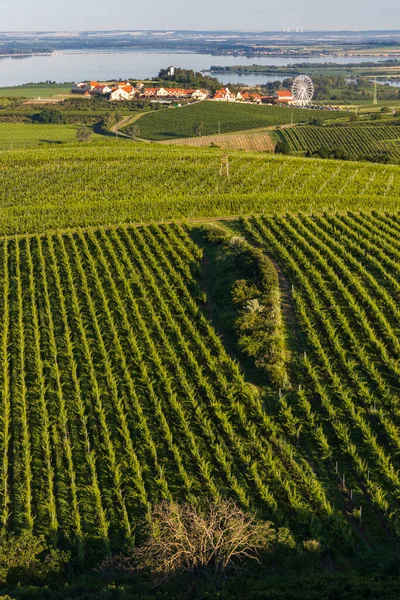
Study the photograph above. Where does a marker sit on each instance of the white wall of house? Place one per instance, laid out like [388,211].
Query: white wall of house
[120,95]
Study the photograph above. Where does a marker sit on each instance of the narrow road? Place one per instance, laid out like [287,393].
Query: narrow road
[125,121]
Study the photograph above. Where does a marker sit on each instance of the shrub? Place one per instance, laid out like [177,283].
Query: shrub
[183,538]
[282,148]
[83,134]
[28,559]
[48,115]
[251,302]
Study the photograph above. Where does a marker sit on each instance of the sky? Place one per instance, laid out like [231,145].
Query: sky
[64,15]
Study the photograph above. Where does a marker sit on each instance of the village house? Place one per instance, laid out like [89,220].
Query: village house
[100,90]
[200,94]
[224,95]
[173,93]
[249,97]
[283,97]
[123,92]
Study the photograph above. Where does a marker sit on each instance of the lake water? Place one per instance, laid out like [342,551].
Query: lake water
[104,65]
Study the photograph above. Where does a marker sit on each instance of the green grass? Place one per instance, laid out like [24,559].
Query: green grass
[179,122]
[35,91]
[49,188]
[23,135]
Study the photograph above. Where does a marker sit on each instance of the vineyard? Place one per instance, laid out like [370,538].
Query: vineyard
[222,117]
[257,141]
[357,142]
[343,277]
[92,185]
[117,391]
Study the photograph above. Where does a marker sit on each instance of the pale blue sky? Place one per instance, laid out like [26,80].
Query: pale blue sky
[26,15]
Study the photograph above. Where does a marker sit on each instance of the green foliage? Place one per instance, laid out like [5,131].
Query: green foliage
[27,559]
[83,134]
[133,131]
[220,116]
[198,128]
[282,147]
[189,79]
[48,116]
[246,291]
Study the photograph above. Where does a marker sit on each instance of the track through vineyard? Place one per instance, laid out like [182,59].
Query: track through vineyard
[116,391]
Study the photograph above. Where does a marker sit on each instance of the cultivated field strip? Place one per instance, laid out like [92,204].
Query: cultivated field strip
[257,141]
[357,141]
[98,185]
[116,392]
[345,276]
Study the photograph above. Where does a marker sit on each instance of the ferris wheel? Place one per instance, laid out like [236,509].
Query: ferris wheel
[303,90]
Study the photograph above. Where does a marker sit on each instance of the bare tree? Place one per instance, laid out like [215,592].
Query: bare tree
[185,539]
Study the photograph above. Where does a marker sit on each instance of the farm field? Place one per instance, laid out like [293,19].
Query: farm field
[93,326]
[124,182]
[257,141]
[25,135]
[357,141]
[222,117]
[35,90]
[117,390]
[343,275]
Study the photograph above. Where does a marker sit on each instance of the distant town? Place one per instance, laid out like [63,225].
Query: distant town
[138,90]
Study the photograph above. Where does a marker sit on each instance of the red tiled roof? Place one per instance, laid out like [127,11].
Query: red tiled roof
[284,94]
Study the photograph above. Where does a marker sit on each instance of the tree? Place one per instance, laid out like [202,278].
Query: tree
[48,115]
[282,148]
[183,538]
[28,559]
[133,131]
[83,134]
[198,128]
[107,122]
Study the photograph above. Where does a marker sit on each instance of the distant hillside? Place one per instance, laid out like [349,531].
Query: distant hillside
[222,117]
